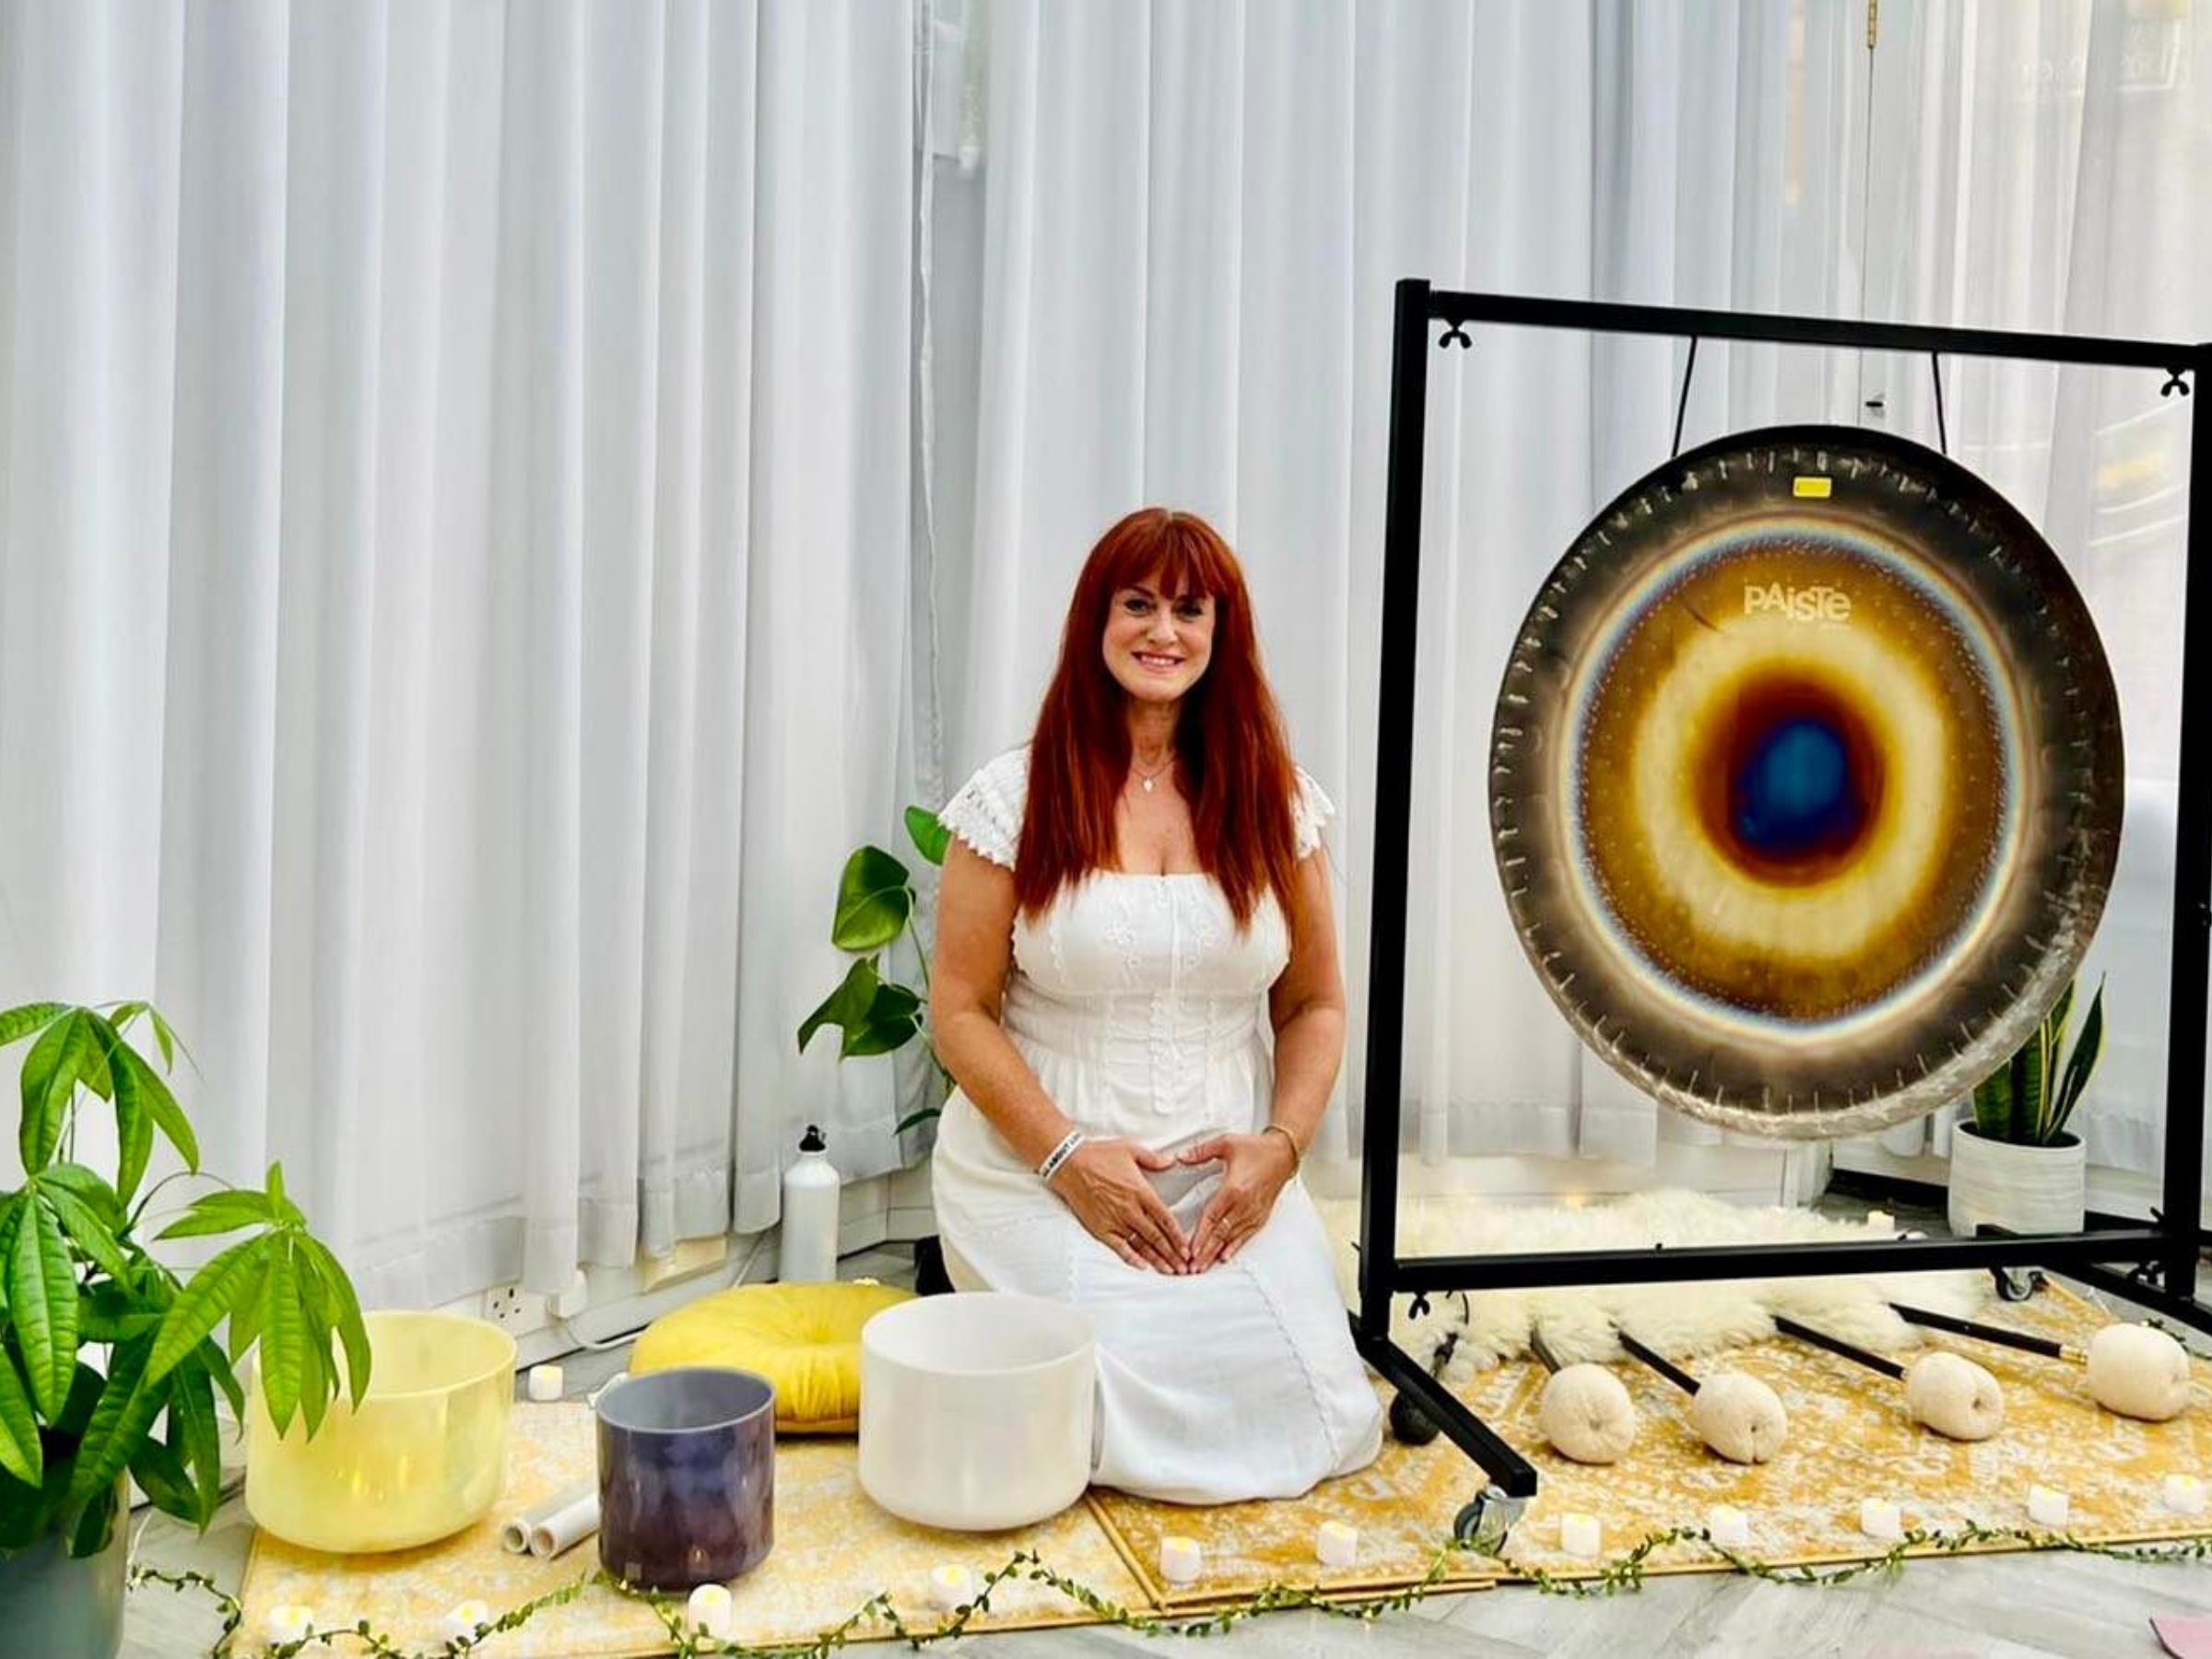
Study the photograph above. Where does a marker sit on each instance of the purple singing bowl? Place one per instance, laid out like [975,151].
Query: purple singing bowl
[687,1477]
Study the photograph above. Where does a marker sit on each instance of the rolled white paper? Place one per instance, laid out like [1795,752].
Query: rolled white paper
[464,1618]
[2186,1495]
[2046,1506]
[1180,1559]
[709,1609]
[1729,1525]
[566,1527]
[516,1529]
[1580,1535]
[545,1384]
[1337,1545]
[1879,1518]
[288,1621]
[950,1587]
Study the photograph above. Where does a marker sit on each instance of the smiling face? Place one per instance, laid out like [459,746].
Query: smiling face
[1157,645]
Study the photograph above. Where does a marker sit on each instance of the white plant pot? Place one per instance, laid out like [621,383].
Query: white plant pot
[976,1409]
[2021,1189]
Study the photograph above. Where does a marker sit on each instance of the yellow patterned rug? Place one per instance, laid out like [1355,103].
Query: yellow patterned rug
[834,1549]
[1850,1438]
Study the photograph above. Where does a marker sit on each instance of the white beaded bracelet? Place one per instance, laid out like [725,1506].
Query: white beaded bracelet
[1059,1155]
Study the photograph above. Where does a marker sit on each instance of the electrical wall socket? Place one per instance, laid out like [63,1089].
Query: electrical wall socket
[512,1309]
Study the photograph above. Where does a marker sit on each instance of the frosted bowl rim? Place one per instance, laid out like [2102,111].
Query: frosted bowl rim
[901,1314]
[720,1426]
[375,1396]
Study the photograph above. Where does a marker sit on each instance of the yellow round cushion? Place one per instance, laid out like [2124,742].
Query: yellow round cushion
[804,1338]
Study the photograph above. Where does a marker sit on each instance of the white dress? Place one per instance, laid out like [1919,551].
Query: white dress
[1143,1014]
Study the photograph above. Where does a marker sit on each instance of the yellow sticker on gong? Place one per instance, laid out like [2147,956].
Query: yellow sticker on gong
[1816,488]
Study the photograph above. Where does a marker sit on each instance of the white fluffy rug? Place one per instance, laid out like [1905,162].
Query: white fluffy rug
[1684,1321]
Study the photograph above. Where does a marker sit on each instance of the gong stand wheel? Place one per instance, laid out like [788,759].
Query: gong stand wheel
[1487,1521]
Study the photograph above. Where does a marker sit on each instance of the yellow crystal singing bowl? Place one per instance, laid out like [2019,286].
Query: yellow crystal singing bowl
[424,1456]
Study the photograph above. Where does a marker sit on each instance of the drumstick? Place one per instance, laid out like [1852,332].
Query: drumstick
[1837,1345]
[2046,1346]
[1542,1350]
[1672,1372]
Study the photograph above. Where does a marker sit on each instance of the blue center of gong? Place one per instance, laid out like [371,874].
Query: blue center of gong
[1793,790]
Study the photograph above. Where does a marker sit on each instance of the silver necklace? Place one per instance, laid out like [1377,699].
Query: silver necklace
[1151,778]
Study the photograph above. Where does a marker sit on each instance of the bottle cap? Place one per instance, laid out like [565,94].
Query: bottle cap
[812,1141]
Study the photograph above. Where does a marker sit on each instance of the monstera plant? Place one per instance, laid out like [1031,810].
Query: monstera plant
[110,1360]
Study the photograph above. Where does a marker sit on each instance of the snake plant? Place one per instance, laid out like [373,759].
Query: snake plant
[2028,1100]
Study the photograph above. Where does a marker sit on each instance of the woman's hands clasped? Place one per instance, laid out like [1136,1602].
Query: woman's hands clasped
[1103,1183]
[1256,1169]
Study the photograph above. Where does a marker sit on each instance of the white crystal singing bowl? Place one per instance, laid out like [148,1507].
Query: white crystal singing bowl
[976,1409]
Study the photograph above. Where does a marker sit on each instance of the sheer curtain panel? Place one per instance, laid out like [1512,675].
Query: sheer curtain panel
[454,588]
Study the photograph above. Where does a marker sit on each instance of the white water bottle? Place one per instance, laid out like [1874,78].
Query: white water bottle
[808,1245]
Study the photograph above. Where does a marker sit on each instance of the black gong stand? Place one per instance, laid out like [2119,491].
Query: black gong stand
[2153,1264]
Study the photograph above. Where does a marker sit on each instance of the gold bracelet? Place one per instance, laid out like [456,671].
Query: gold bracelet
[1297,1153]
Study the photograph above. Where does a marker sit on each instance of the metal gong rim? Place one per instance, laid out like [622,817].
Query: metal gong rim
[1806,781]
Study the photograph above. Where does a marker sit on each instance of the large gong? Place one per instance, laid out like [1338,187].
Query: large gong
[1806,781]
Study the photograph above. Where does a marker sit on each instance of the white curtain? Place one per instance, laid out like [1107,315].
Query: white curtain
[1163,267]
[2050,167]
[455,588]
[464,583]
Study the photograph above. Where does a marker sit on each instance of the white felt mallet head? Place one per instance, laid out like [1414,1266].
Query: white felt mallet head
[1954,1397]
[2138,1372]
[1587,1415]
[1739,1416]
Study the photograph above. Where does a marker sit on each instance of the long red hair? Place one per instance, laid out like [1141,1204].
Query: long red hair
[1229,742]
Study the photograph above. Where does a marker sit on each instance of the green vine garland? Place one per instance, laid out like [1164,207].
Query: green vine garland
[1626,1572]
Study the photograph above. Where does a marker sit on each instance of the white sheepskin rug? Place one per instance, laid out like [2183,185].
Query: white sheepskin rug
[1684,1321]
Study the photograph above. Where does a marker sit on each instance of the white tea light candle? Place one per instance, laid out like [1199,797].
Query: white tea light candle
[709,1609]
[950,1588]
[545,1384]
[1180,1559]
[1730,1527]
[288,1621]
[2046,1506]
[1580,1535]
[2186,1495]
[1337,1545]
[464,1618]
[1879,1518]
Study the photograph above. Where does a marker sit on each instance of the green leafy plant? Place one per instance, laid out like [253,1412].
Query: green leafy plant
[876,904]
[2028,1100]
[76,1275]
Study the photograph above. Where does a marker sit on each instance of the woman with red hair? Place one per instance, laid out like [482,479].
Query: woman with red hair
[1137,992]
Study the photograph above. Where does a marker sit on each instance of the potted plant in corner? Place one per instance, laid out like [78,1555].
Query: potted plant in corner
[873,1012]
[99,1342]
[2018,1165]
